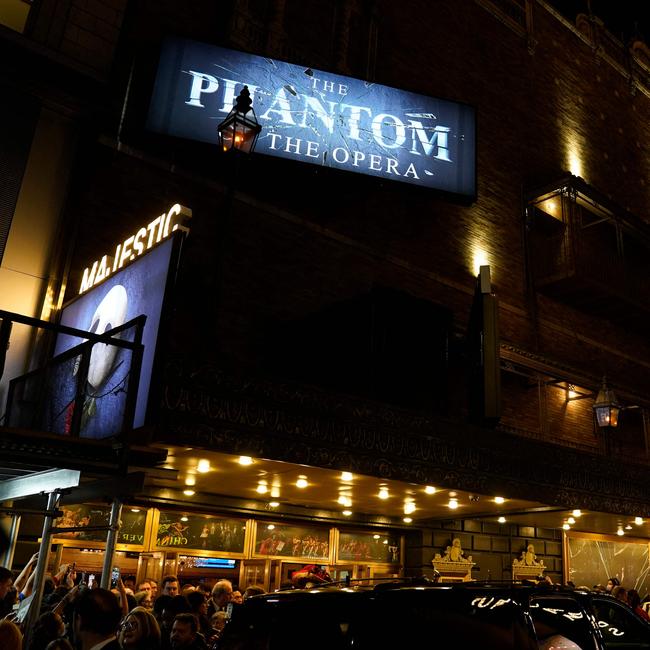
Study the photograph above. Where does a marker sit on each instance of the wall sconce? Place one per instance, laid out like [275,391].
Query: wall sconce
[606,407]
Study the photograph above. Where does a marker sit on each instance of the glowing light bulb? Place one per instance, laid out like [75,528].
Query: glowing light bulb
[638,520]
[203,466]
[270,527]
[347,513]
[501,520]
[346,476]
[566,527]
[407,520]
[577,512]
[429,489]
[453,504]
[620,532]
[499,500]
[302,482]
[409,508]
[273,504]
[383,493]
[184,518]
[245,460]
[571,521]
[189,493]
[262,488]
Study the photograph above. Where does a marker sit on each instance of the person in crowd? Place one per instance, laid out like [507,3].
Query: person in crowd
[185,633]
[218,622]
[221,598]
[7,595]
[96,619]
[611,583]
[21,582]
[634,601]
[169,586]
[187,589]
[620,593]
[199,607]
[154,587]
[167,611]
[11,637]
[59,644]
[145,585]
[139,631]
[253,590]
[237,598]
[143,599]
[48,627]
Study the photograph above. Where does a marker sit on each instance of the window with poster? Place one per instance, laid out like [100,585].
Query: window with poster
[276,540]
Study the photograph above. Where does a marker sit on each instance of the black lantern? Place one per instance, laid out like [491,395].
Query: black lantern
[606,408]
[240,128]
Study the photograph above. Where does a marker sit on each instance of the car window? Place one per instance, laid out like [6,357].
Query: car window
[619,626]
[561,622]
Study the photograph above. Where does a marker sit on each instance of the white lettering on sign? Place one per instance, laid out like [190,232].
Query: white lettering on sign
[134,245]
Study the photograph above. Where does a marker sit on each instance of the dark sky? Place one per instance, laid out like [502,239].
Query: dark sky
[623,18]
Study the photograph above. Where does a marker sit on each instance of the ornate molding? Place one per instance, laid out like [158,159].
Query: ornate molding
[211,409]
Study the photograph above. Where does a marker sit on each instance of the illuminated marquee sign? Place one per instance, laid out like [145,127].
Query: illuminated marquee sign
[127,251]
[317,117]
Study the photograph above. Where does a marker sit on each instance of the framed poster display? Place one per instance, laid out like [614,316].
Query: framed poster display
[384,547]
[275,540]
[591,559]
[208,535]
[134,527]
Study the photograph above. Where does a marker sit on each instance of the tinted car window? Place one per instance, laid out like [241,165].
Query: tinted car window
[619,626]
[560,622]
[381,620]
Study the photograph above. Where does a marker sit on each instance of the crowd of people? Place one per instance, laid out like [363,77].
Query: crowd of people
[149,616]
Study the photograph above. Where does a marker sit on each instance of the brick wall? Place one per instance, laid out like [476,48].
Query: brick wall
[493,547]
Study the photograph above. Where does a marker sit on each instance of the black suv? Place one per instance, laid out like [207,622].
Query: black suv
[474,615]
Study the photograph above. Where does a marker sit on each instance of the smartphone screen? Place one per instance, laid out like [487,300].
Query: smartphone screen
[115,576]
[91,580]
[83,579]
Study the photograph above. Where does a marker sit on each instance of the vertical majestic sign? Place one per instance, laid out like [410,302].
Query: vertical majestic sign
[317,117]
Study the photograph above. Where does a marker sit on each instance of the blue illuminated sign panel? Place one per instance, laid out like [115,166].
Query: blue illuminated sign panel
[317,117]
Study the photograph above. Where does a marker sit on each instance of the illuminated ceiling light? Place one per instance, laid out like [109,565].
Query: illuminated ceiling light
[270,527]
[385,541]
[347,476]
[262,487]
[407,520]
[577,512]
[620,532]
[453,504]
[571,521]
[245,460]
[566,527]
[376,536]
[203,466]
[501,520]
[189,493]
[184,518]
[190,480]
[499,500]
[638,520]
[274,504]
[347,513]
[453,495]
[275,492]
[302,482]
[345,500]
[628,527]
[409,508]
[429,489]
[135,509]
[383,493]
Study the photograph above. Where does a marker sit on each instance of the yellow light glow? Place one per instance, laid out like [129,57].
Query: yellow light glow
[345,500]
[376,536]
[270,527]
[429,489]
[203,466]
[184,518]
[407,520]
[571,521]
[302,482]
[275,492]
[190,480]
[409,508]
[347,513]
[262,487]
[628,527]
[383,493]
[273,504]
[577,513]
[638,520]
[135,509]
[501,520]
[574,159]
[346,476]
[479,258]
[620,532]
[245,460]
[566,527]
[499,500]
[453,504]
[189,493]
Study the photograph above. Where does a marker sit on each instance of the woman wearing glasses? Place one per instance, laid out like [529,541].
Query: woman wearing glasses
[139,631]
